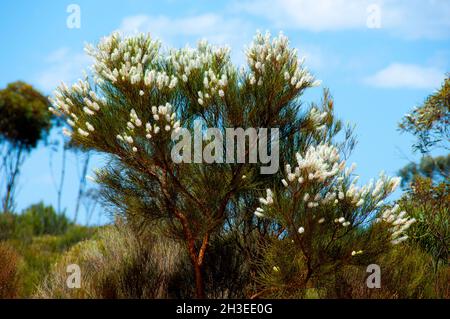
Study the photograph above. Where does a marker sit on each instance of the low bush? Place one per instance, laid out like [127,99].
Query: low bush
[115,265]
[406,272]
[40,252]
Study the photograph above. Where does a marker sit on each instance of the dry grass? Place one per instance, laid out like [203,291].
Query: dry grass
[406,272]
[115,265]
[9,278]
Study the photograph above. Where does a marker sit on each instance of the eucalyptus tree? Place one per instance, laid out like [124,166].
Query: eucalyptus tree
[24,121]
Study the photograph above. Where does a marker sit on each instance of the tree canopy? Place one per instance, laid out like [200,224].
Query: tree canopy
[436,168]
[24,114]
[430,122]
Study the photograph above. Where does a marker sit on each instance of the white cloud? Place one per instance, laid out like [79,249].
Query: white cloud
[413,76]
[415,19]
[210,26]
[411,19]
[317,15]
[176,32]
[166,26]
[62,65]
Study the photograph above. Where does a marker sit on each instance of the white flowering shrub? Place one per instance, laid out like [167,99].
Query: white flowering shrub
[138,95]
[326,220]
[321,188]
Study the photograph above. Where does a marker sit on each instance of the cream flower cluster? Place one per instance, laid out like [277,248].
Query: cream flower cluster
[318,163]
[159,79]
[188,61]
[212,85]
[399,222]
[117,59]
[341,220]
[355,253]
[134,122]
[268,200]
[317,118]
[265,54]
[64,101]
[321,166]
[124,59]
[164,118]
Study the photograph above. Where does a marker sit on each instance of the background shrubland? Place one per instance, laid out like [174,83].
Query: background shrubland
[33,240]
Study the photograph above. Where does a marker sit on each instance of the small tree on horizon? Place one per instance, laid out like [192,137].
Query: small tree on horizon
[24,121]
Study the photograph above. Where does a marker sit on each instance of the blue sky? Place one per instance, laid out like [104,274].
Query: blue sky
[376,75]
